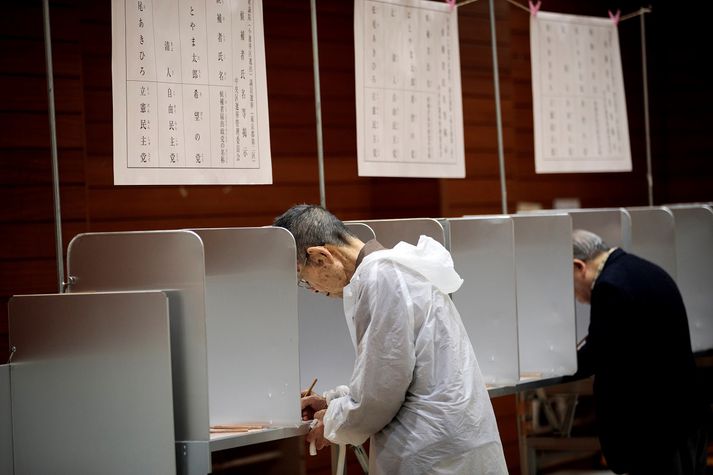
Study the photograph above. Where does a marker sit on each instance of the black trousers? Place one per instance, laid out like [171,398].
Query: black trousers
[688,457]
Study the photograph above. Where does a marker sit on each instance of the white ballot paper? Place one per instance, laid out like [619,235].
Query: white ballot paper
[578,96]
[189,92]
[408,94]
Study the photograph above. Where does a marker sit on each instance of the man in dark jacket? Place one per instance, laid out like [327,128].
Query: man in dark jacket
[650,418]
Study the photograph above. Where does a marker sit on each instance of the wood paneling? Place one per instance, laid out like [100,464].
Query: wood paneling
[680,102]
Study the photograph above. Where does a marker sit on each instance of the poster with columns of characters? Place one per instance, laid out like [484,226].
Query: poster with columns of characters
[408,91]
[578,96]
[189,92]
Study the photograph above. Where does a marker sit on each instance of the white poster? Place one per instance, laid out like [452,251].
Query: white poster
[189,92]
[408,94]
[578,95]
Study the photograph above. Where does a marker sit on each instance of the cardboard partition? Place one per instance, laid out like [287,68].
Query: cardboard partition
[157,260]
[653,236]
[614,227]
[483,250]
[251,326]
[6,462]
[91,383]
[694,266]
[326,349]
[545,295]
[390,232]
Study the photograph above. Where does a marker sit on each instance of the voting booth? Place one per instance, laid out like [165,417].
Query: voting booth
[613,225]
[326,349]
[91,384]
[653,236]
[483,250]
[389,232]
[6,427]
[694,269]
[545,296]
[234,345]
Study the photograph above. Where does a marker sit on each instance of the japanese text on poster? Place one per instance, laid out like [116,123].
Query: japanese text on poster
[189,92]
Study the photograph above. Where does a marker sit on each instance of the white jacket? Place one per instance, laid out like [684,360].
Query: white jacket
[416,389]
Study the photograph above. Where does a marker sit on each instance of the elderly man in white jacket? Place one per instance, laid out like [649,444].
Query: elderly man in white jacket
[416,388]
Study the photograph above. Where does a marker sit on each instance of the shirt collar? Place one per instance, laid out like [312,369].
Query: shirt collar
[601,265]
[371,245]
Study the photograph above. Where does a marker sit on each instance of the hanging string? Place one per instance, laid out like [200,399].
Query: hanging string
[519,5]
[635,14]
[465,2]
[628,16]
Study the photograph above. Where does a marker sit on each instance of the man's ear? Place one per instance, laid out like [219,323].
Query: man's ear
[579,265]
[319,255]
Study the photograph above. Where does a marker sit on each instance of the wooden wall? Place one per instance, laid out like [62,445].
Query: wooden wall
[680,95]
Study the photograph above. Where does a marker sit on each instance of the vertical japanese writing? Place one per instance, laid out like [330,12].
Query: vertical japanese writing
[408,75]
[142,121]
[580,116]
[244,87]
[220,53]
[196,94]
[192,89]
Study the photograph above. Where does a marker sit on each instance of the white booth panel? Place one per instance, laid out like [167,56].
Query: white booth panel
[91,384]
[251,325]
[483,251]
[361,231]
[5,422]
[613,225]
[157,260]
[694,265]
[389,232]
[545,295]
[653,236]
[326,349]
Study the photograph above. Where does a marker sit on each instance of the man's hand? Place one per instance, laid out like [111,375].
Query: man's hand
[316,435]
[312,404]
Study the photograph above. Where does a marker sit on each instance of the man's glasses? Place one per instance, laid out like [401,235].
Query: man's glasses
[304,284]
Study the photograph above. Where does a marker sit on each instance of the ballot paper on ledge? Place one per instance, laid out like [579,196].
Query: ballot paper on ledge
[408,91]
[578,97]
[189,93]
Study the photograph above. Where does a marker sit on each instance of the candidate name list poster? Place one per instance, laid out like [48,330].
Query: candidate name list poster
[408,91]
[578,97]
[189,92]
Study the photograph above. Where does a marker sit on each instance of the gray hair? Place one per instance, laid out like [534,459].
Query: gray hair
[586,245]
[312,225]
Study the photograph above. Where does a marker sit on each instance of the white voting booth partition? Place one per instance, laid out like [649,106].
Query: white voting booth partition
[545,296]
[694,269]
[390,232]
[91,383]
[613,225]
[251,326]
[483,250]
[6,462]
[326,348]
[159,260]
[228,383]
[653,236]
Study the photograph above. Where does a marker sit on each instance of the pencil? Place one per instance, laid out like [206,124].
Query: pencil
[311,387]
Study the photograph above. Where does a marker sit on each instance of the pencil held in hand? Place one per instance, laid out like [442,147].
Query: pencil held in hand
[309,390]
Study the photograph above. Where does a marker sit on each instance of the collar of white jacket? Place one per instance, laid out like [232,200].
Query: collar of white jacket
[429,258]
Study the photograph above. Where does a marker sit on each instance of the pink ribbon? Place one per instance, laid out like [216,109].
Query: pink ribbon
[615,17]
[451,4]
[534,8]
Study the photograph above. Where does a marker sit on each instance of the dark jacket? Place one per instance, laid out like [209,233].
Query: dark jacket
[639,350]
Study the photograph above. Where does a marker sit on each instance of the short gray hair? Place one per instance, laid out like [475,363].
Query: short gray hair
[586,245]
[312,225]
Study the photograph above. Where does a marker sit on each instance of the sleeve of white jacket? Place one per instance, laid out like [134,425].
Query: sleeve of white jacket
[385,358]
